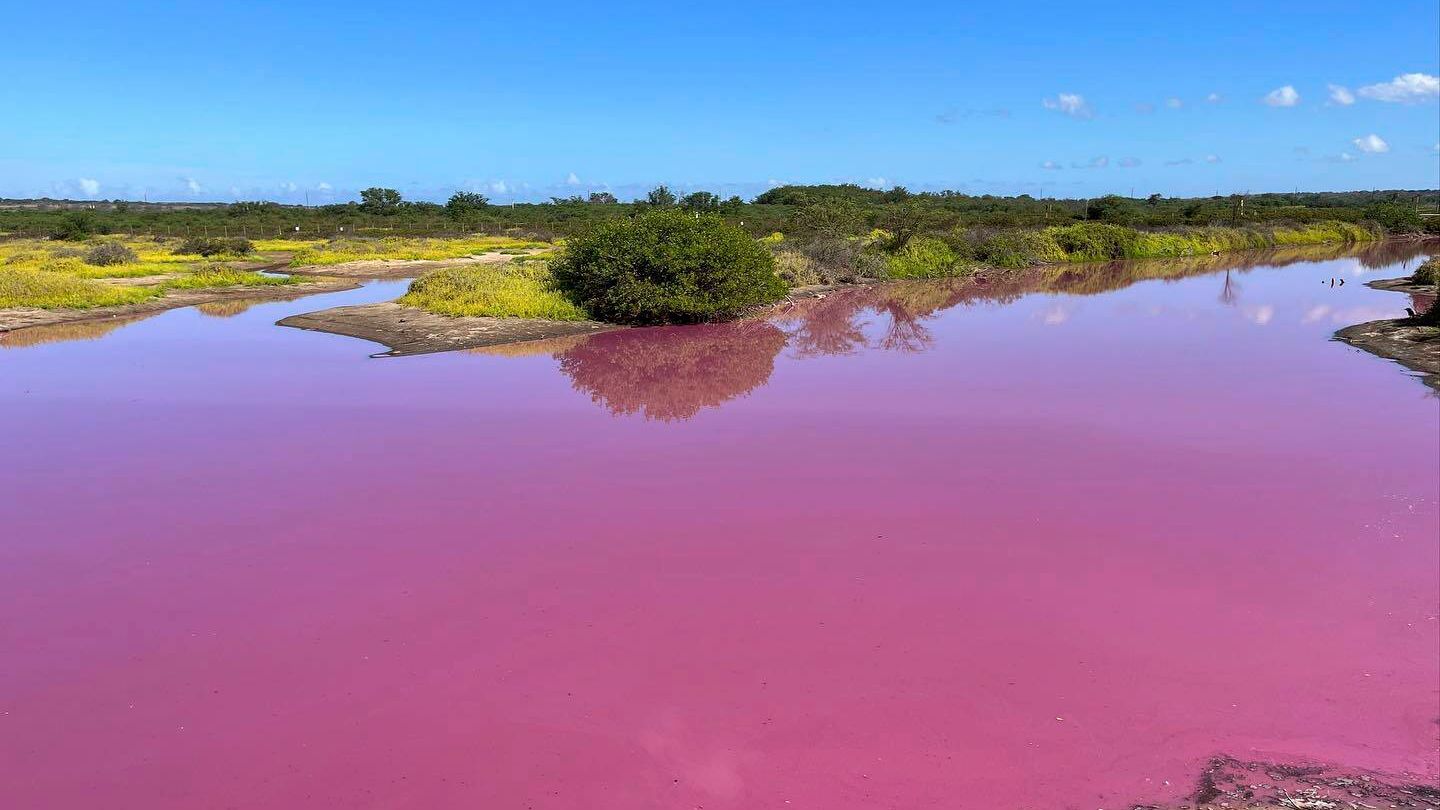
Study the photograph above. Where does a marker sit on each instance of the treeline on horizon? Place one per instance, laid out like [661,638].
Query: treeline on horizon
[790,209]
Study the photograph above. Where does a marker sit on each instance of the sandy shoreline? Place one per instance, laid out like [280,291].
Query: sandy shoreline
[406,330]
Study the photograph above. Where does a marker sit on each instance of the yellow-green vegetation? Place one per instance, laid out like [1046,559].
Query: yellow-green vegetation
[926,257]
[218,275]
[1097,241]
[339,251]
[511,290]
[796,269]
[57,275]
[51,290]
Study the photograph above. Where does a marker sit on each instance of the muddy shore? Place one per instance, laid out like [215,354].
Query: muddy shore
[1411,345]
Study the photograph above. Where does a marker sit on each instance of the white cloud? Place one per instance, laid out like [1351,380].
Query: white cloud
[876,182]
[322,186]
[1174,103]
[1055,315]
[289,186]
[1341,96]
[572,180]
[91,188]
[1179,162]
[1129,162]
[1282,97]
[1372,143]
[1410,88]
[1214,98]
[1071,104]
[1212,158]
[192,185]
[499,187]
[1051,165]
[1260,315]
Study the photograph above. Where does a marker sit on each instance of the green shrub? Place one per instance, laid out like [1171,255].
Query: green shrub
[924,257]
[1016,248]
[1094,241]
[666,266]
[842,261]
[214,246]
[74,226]
[110,253]
[1427,273]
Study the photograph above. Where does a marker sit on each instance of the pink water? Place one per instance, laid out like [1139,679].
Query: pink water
[908,550]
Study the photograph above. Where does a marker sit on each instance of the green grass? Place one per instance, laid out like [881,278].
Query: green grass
[498,291]
[48,290]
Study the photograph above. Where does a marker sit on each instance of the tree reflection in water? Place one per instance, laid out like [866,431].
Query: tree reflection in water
[669,373]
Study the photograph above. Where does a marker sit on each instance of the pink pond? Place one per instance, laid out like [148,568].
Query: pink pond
[904,548]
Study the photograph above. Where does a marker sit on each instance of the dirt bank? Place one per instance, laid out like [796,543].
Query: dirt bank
[1227,782]
[26,317]
[1413,346]
[406,330]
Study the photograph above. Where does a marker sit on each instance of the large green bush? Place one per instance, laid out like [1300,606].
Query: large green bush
[666,266]
[925,257]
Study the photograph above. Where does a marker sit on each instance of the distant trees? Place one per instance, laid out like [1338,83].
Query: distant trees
[1395,217]
[602,198]
[376,200]
[465,204]
[836,216]
[660,197]
[700,201]
[74,226]
[1114,209]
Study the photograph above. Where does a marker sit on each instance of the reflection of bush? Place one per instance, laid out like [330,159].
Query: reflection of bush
[670,373]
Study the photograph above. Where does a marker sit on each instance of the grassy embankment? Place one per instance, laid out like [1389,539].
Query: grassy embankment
[525,288]
[961,254]
[66,275]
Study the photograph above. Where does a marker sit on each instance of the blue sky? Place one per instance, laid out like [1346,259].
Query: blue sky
[256,100]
